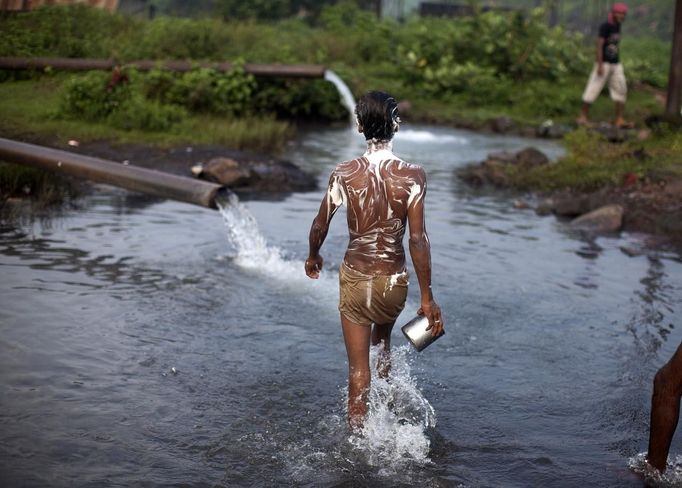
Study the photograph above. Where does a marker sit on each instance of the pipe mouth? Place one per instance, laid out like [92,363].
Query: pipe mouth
[224,197]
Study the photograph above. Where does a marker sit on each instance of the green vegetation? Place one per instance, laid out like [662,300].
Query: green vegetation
[29,108]
[592,162]
[473,68]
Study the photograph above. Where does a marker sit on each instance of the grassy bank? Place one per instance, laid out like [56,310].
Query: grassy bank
[30,106]
[592,162]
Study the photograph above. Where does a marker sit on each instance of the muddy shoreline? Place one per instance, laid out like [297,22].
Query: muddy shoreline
[260,174]
[650,205]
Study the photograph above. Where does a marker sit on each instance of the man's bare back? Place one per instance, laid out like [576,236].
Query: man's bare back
[378,190]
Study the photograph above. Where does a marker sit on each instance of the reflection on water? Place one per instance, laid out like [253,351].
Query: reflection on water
[146,343]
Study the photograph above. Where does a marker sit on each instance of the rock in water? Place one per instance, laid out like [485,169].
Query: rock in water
[605,219]
[225,171]
[531,157]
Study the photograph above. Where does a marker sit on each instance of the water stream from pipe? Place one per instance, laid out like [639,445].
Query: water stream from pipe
[347,99]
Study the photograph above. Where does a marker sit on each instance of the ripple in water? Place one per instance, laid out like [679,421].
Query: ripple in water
[671,478]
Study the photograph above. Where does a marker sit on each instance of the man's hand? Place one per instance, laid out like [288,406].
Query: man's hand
[313,266]
[600,69]
[432,312]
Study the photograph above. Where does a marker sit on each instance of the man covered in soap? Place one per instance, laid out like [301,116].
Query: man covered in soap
[382,193]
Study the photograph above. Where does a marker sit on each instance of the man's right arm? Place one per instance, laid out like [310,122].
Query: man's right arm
[601,40]
[420,250]
[331,201]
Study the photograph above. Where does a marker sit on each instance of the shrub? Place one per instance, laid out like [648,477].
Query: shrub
[86,96]
[73,32]
[139,113]
[94,97]
[203,90]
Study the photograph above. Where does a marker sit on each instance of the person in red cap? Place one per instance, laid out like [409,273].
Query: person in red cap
[608,68]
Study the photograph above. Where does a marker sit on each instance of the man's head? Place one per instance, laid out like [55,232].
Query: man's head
[377,116]
[618,13]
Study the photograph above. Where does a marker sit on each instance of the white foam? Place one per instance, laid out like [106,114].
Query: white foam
[412,135]
[672,477]
[394,432]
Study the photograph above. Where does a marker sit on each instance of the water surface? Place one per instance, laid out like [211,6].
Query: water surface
[138,347]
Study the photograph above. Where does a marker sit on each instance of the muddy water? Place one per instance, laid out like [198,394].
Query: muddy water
[143,343]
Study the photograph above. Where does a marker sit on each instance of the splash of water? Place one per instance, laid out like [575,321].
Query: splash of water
[252,252]
[671,478]
[346,96]
[394,432]
[250,246]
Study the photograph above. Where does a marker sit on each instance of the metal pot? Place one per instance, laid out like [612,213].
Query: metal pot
[415,332]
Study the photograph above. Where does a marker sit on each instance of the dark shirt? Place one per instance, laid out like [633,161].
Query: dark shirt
[611,35]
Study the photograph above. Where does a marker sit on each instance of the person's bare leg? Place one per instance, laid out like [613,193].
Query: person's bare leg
[665,410]
[620,111]
[381,334]
[584,118]
[356,338]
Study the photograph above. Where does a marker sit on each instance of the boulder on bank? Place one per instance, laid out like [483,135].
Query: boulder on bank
[267,175]
[530,157]
[225,171]
[608,218]
[493,170]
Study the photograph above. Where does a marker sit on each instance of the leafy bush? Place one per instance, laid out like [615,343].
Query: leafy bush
[297,99]
[94,97]
[139,113]
[72,32]
[87,96]
[254,9]
[646,61]
[174,38]
[203,90]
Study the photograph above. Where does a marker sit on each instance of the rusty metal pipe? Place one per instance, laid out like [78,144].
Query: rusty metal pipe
[71,64]
[132,178]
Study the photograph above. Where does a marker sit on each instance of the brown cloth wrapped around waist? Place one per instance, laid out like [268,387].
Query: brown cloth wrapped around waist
[367,299]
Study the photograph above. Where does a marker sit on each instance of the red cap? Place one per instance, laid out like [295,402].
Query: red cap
[619,8]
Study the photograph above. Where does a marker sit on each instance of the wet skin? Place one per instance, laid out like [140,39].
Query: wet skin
[665,410]
[382,194]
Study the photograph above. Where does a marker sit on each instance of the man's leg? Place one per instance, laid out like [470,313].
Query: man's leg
[620,111]
[594,86]
[584,118]
[356,338]
[665,410]
[618,89]
[382,334]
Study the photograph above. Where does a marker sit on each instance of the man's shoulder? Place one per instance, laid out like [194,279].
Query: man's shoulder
[345,166]
[605,28]
[410,170]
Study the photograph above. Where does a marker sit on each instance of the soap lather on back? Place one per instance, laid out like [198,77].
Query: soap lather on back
[377,189]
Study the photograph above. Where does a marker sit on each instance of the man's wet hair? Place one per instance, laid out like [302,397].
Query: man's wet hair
[377,114]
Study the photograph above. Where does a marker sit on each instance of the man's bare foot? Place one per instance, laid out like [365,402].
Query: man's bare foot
[623,124]
[582,122]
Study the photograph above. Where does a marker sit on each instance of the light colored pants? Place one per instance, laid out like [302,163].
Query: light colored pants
[614,75]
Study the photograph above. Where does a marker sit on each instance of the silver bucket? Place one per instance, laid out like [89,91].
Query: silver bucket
[415,332]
